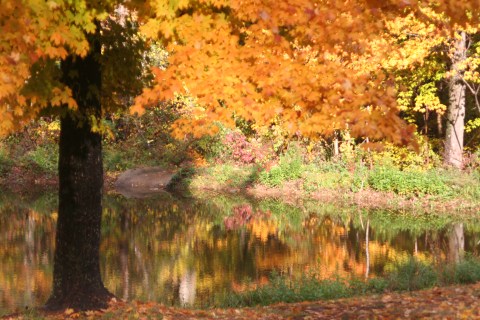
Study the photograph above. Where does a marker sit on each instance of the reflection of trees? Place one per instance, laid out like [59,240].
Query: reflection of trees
[26,251]
[185,255]
[181,251]
[153,249]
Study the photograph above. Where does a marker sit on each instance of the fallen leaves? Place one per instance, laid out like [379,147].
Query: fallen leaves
[457,302]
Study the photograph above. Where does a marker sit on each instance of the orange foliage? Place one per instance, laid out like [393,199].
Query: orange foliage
[314,64]
[297,60]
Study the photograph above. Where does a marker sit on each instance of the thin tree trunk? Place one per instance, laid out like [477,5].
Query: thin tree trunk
[367,249]
[439,124]
[336,150]
[456,110]
[77,281]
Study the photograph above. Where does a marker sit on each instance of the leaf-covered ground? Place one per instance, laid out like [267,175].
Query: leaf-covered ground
[456,302]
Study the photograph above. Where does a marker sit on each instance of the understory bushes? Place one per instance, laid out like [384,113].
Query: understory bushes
[241,158]
[398,170]
[5,161]
[392,179]
[33,149]
[43,158]
[290,167]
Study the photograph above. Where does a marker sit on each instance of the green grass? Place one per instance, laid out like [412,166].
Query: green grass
[224,176]
[407,276]
[314,179]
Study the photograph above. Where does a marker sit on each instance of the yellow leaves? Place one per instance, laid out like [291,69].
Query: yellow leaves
[391,91]
[151,28]
[68,311]
[183,4]
[52,5]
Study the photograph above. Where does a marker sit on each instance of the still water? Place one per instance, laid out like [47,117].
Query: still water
[193,251]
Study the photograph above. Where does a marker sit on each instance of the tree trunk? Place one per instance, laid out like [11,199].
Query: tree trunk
[456,109]
[77,281]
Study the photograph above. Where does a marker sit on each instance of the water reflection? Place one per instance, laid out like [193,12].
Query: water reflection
[189,252]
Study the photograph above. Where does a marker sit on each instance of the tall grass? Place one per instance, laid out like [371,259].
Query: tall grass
[407,276]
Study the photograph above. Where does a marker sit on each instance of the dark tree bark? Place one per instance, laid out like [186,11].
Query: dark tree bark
[77,281]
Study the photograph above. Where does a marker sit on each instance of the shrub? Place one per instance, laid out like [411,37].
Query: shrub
[5,161]
[224,176]
[211,147]
[290,167]
[467,271]
[412,275]
[181,180]
[116,160]
[240,148]
[314,179]
[408,182]
[44,157]
[284,289]
[405,158]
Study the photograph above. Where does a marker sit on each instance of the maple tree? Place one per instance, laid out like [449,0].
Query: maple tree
[309,63]
[60,57]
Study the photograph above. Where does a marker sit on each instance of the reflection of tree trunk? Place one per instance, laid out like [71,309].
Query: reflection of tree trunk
[367,250]
[141,260]
[29,257]
[76,278]
[243,245]
[186,292]
[124,255]
[456,108]
[456,243]
[415,251]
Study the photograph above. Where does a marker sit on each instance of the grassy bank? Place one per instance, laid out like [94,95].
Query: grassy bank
[410,275]
[435,190]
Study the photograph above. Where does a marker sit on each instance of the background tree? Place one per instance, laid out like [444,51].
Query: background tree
[433,66]
[453,154]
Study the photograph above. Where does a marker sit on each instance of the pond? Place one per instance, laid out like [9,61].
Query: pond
[192,251]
